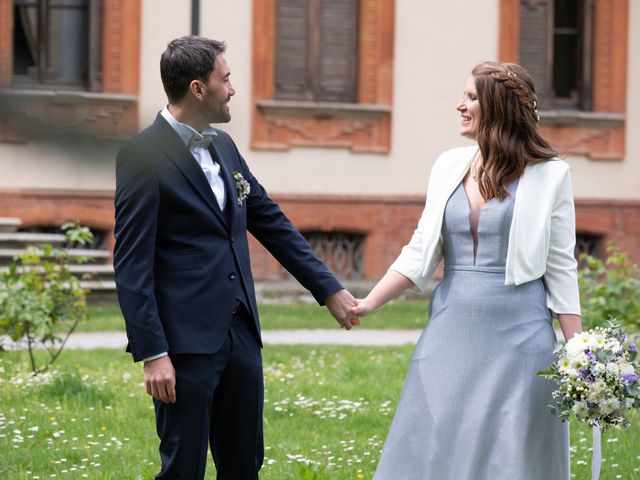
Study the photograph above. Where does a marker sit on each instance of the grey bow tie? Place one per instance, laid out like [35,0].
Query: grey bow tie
[200,141]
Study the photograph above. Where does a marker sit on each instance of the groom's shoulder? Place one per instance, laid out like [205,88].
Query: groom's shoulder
[144,142]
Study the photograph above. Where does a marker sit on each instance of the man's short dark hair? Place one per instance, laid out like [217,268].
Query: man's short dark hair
[185,59]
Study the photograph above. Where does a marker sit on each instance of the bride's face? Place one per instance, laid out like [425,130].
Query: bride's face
[469,109]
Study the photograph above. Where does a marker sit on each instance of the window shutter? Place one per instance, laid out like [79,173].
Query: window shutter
[338,58]
[291,50]
[534,47]
[95,45]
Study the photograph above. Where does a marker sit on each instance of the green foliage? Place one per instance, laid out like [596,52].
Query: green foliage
[610,289]
[39,296]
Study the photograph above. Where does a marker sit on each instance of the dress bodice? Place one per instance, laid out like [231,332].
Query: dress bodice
[493,225]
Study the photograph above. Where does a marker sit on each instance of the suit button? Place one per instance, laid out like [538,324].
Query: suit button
[232,276]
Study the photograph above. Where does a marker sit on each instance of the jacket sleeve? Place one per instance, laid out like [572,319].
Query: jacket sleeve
[271,227]
[561,275]
[137,200]
[411,261]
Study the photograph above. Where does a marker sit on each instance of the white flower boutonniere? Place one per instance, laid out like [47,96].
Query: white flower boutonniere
[242,186]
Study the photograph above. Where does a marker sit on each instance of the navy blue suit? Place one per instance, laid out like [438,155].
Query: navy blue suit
[182,268]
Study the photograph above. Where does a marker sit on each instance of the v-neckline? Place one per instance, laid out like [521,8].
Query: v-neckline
[474,238]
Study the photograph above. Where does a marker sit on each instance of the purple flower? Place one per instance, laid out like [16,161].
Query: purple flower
[584,374]
[589,354]
[630,377]
[632,347]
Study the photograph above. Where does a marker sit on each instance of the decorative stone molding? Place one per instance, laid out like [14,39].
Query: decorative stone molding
[362,127]
[30,114]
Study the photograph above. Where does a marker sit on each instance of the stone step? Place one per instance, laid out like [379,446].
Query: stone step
[97,273]
[99,256]
[9,224]
[24,239]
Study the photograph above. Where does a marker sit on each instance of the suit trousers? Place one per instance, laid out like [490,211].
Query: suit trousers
[219,401]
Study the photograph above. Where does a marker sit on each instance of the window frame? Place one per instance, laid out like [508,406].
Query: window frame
[108,108]
[600,133]
[363,126]
[42,78]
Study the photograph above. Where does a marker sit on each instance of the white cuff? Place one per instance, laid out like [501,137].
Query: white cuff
[153,357]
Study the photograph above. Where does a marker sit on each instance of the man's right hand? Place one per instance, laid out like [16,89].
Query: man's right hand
[160,379]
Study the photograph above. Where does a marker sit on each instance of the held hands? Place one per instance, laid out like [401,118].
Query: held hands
[363,307]
[341,304]
[160,379]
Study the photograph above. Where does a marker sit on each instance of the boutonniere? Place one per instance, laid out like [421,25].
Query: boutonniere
[242,186]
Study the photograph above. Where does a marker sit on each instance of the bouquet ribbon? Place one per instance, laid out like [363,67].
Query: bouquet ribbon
[596,458]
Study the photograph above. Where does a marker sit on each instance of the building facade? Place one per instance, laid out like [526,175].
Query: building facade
[341,107]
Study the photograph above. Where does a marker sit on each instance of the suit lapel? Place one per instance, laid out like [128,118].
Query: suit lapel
[227,176]
[180,156]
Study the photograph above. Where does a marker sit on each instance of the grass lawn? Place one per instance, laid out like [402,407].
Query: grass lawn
[327,412]
[396,314]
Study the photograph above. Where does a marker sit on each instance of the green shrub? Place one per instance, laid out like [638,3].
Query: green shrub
[39,296]
[610,289]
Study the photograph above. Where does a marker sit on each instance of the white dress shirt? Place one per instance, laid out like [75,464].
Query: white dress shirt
[197,143]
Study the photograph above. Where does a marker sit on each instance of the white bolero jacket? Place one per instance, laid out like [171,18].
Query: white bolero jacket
[541,239]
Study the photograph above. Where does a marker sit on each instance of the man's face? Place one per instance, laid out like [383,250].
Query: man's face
[218,92]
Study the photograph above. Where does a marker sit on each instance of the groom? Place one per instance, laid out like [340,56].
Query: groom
[185,199]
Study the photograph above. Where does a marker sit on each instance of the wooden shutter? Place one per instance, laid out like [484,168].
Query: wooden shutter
[338,55]
[292,81]
[317,50]
[535,45]
[95,45]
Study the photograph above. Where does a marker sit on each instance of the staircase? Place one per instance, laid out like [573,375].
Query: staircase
[100,271]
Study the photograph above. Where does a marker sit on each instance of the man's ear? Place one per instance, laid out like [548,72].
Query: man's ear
[196,87]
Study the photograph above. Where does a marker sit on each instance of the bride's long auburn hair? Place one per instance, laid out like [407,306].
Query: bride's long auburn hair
[508,126]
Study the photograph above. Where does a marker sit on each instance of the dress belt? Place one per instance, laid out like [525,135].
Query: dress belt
[474,268]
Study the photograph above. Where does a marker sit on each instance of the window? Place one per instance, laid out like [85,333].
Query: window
[576,51]
[323,73]
[556,48]
[69,66]
[317,50]
[53,43]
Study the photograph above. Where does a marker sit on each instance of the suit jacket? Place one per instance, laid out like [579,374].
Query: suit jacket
[541,238]
[179,260]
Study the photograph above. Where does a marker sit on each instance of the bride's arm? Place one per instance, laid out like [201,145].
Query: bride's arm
[389,287]
[569,324]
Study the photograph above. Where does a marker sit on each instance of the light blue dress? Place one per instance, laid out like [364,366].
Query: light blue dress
[472,407]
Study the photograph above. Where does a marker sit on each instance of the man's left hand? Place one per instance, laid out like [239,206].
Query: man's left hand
[340,304]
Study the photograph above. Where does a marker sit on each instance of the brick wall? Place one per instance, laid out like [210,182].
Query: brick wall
[386,221]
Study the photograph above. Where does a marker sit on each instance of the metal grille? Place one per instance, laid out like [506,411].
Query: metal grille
[342,252]
[587,243]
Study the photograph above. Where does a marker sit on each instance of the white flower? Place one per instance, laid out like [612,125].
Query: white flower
[596,392]
[626,368]
[610,405]
[580,409]
[614,345]
[600,368]
[564,365]
[577,344]
[612,369]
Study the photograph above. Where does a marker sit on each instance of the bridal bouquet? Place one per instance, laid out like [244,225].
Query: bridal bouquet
[598,378]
